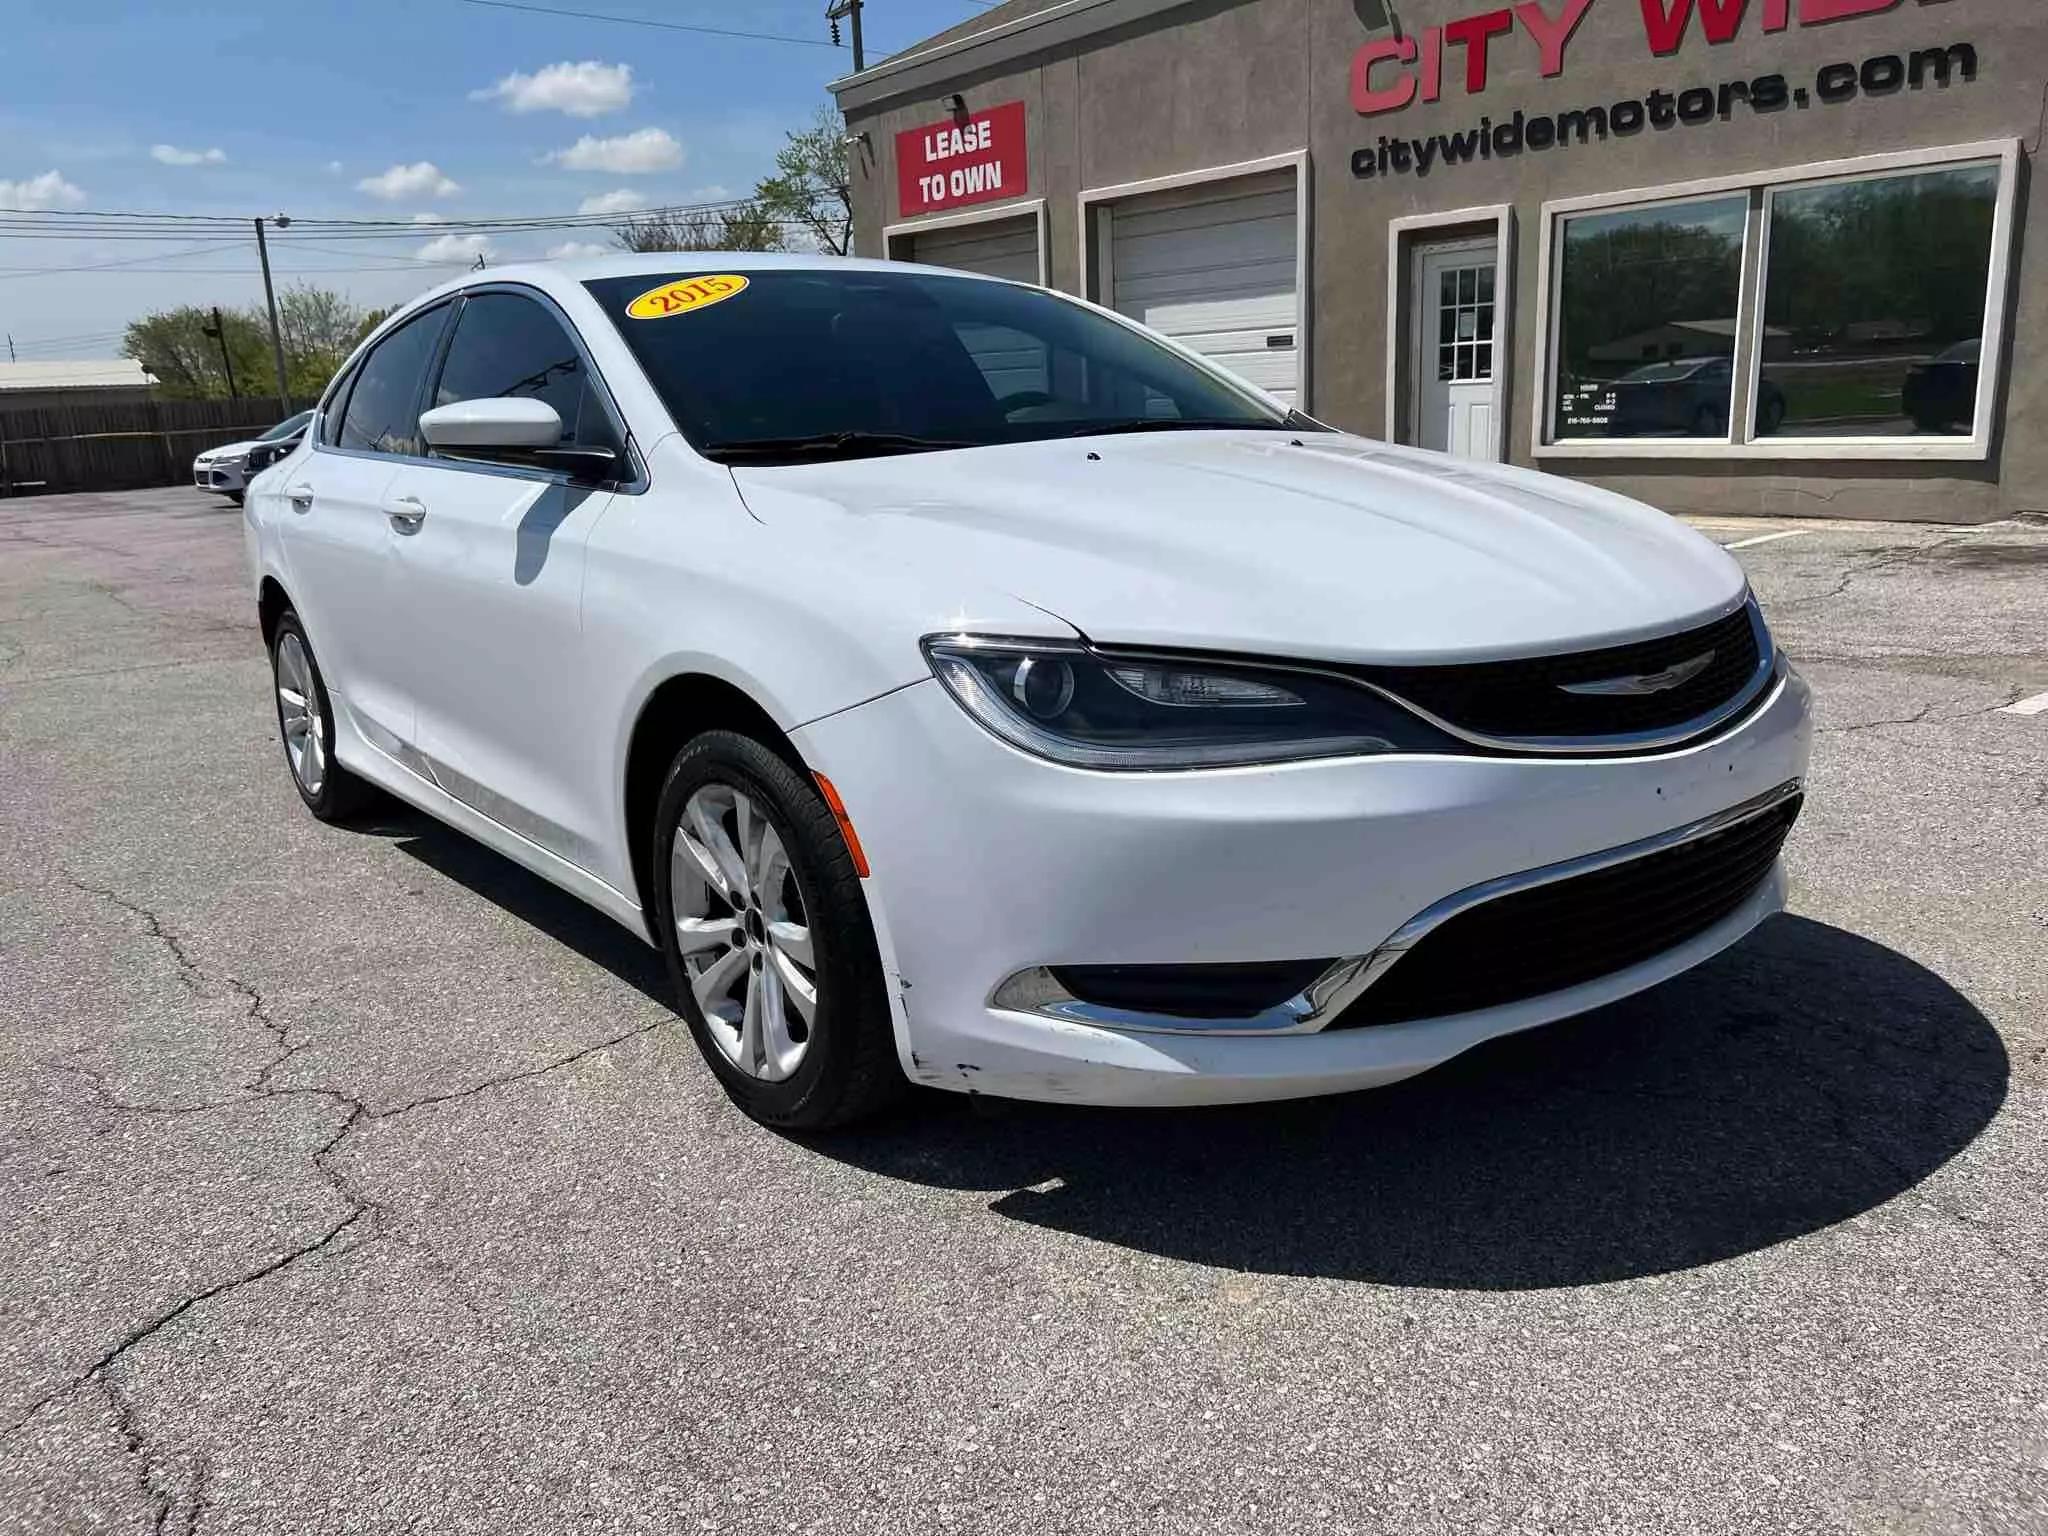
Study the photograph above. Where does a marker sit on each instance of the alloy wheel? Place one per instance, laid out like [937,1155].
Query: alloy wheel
[298,708]
[743,933]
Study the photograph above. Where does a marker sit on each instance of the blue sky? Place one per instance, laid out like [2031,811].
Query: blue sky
[128,105]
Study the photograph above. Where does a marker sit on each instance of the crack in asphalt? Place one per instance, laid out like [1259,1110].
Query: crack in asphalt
[135,1441]
[1921,716]
[257,1090]
[1885,562]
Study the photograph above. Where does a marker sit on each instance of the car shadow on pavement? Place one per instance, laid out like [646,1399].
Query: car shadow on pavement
[1804,1077]
[527,897]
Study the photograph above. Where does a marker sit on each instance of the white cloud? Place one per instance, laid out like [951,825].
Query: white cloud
[631,154]
[717,192]
[589,89]
[49,190]
[572,250]
[625,200]
[170,154]
[334,167]
[422,178]
[451,248]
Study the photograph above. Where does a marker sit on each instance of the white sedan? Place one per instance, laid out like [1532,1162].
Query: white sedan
[226,469]
[965,686]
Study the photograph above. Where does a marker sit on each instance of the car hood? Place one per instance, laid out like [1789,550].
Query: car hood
[1323,545]
[227,451]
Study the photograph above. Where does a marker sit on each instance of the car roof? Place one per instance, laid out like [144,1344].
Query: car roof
[549,275]
[566,275]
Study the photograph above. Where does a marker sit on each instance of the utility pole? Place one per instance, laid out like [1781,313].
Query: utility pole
[219,333]
[851,10]
[284,396]
[10,346]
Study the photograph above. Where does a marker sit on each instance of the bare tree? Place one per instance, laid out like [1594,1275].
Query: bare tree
[745,227]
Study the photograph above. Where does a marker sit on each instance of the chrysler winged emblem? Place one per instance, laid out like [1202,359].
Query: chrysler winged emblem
[1646,682]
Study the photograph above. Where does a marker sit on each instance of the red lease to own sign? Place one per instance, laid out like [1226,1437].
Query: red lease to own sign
[975,159]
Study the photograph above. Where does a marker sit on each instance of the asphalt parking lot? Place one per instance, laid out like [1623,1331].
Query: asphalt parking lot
[355,1180]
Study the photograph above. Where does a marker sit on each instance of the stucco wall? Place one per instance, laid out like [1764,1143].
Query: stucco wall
[1219,81]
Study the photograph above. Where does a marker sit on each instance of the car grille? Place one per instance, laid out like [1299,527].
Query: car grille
[1545,938]
[1519,702]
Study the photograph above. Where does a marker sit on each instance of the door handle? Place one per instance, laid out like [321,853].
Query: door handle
[406,513]
[300,496]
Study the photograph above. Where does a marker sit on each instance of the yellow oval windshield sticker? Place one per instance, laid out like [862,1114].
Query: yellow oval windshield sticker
[685,296]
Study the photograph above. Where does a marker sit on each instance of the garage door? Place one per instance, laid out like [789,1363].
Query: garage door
[1214,267]
[995,248]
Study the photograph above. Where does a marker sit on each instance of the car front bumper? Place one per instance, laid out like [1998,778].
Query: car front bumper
[222,475]
[988,863]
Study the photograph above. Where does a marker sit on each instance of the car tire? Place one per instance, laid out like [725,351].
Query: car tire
[330,791]
[235,497]
[795,913]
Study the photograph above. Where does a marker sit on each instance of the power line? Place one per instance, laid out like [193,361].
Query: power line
[643,21]
[25,224]
[131,262]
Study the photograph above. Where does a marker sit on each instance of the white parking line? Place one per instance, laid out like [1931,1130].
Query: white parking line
[2037,705]
[1765,538]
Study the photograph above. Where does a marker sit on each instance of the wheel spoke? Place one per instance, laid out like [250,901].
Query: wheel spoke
[721,860]
[694,935]
[770,863]
[293,699]
[703,863]
[791,982]
[793,940]
[713,984]
[752,1017]
[747,825]
[777,1046]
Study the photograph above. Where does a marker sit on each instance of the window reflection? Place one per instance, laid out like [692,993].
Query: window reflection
[1648,302]
[1874,301]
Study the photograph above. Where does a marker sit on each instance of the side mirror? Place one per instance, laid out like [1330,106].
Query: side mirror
[502,422]
[514,429]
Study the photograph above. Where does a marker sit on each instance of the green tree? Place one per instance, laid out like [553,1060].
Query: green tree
[173,345]
[319,327]
[812,190]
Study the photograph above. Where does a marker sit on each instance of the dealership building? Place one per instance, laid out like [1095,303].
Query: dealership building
[1730,256]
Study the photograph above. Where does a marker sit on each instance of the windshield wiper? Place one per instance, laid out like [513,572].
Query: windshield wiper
[1169,424]
[820,445]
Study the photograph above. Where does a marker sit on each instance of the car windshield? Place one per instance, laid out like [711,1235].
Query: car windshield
[287,427]
[792,365]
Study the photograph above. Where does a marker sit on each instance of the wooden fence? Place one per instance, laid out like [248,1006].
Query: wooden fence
[123,446]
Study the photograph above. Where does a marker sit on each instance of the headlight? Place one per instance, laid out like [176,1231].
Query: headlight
[1095,709]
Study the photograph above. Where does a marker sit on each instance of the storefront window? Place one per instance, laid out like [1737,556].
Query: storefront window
[1648,306]
[1874,304]
[1870,306]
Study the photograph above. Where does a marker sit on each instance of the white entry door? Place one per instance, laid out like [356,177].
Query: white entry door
[1454,351]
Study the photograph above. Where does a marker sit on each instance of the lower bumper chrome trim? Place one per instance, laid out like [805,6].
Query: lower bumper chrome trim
[1037,991]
